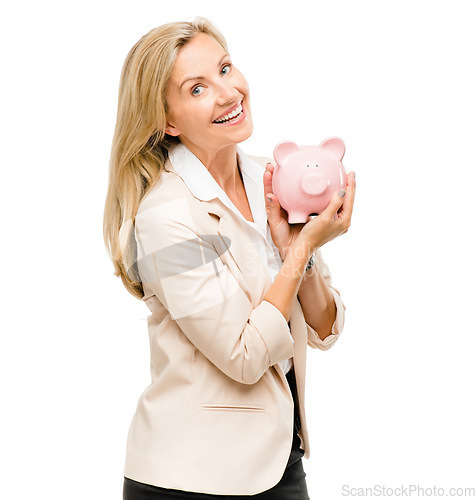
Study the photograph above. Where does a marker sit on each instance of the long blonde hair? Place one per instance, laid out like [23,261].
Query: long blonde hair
[140,146]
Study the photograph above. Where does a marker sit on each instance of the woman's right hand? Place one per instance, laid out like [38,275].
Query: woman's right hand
[333,221]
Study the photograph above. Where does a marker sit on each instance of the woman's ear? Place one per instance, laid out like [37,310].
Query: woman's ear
[171,130]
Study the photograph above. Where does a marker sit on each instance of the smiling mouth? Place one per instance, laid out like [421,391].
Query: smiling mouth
[236,113]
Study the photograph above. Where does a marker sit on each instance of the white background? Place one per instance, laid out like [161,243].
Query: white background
[392,403]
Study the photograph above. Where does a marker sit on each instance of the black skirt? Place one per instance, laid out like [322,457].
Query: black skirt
[292,485]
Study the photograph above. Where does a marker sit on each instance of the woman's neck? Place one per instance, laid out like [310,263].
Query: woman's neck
[222,165]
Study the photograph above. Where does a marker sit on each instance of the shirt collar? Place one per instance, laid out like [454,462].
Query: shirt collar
[204,187]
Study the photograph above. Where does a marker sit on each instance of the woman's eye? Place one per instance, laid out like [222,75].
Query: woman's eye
[226,67]
[196,89]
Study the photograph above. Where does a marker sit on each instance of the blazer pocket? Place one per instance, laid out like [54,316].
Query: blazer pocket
[220,407]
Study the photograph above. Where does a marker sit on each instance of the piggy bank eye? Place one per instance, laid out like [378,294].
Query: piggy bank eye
[314,165]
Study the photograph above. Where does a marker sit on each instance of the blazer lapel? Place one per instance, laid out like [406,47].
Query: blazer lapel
[238,251]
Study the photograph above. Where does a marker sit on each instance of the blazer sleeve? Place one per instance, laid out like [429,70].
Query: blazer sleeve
[183,269]
[314,340]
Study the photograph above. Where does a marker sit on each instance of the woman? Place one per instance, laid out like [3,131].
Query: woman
[235,293]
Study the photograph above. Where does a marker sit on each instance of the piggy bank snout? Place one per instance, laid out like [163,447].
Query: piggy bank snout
[314,184]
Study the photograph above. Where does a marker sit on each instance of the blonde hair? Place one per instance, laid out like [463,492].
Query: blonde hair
[140,146]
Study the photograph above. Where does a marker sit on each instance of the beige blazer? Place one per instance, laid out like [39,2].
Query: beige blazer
[217,417]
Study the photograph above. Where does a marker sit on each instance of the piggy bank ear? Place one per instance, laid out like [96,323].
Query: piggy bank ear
[335,145]
[283,150]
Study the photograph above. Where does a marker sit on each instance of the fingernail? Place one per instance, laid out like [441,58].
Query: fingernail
[341,193]
[354,174]
[269,199]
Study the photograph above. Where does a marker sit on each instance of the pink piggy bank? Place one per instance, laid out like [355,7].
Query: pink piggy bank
[306,177]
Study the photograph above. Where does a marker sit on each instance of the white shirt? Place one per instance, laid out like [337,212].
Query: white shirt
[202,184]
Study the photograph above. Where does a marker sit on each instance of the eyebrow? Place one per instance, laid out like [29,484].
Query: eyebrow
[201,77]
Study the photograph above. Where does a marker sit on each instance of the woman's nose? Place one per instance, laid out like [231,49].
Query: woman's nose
[226,93]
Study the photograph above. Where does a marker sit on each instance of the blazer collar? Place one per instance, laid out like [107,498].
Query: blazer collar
[203,186]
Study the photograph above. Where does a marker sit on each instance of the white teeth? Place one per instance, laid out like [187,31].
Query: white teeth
[231,115]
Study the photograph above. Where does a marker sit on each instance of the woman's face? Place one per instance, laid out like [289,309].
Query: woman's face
[204,87]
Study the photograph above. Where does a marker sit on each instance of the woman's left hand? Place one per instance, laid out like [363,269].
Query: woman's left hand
[282,233]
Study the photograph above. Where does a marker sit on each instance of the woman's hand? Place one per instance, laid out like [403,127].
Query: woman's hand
[332,222]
